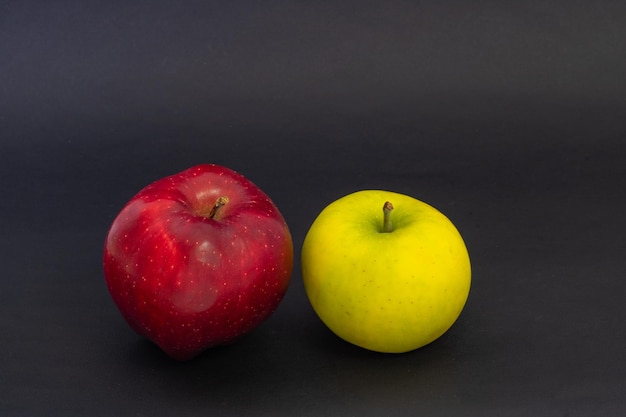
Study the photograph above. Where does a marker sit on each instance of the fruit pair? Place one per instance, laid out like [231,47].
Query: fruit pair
[201,258]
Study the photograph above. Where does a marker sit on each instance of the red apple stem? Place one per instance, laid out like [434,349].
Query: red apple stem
[387,225]
[221,202]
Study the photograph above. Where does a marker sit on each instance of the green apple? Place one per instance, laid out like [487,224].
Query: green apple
[385,271]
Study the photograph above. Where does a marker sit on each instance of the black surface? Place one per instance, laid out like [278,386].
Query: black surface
[509,117]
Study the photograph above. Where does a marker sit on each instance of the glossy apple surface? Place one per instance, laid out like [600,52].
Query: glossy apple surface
[387,286]
[198,259]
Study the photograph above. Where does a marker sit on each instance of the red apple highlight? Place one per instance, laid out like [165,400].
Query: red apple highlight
[198,259]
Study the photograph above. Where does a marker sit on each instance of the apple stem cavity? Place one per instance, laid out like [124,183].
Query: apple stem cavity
[387,225]
[221,202]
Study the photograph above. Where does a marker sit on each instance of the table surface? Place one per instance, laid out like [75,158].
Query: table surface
[510,119]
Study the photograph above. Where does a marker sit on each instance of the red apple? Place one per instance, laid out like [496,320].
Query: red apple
[198,259]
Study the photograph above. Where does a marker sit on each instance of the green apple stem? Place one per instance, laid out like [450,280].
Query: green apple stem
[221,202]
[387,225]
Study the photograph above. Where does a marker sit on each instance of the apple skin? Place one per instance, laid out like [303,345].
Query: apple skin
[387,292]
[188,281]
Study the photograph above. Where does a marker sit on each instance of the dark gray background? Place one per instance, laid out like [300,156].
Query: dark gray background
[507,116]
